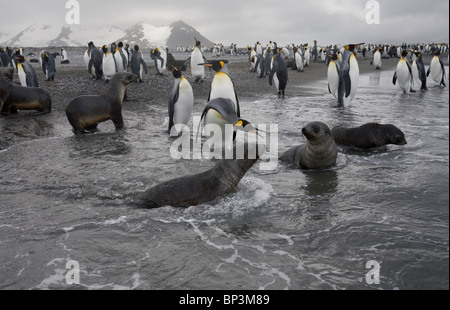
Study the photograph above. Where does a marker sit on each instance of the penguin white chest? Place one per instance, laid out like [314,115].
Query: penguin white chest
[197,58]
[354,76]
[436,70]
[109,66]
[183,107]
[222,87]
[333,79]
[403,76]
[22,75]
[377,60]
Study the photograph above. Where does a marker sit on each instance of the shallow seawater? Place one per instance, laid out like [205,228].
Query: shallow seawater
[67,197]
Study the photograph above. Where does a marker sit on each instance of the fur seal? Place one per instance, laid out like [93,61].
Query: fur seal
[86,112]
[320,151]
[201,188]
[24,98]
[369,136]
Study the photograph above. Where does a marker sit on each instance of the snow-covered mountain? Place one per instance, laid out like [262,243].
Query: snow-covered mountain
[142,34]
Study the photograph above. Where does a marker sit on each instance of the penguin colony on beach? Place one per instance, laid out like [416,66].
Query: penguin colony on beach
[222,109]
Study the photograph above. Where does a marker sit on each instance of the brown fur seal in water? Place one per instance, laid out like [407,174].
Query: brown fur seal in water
[24,98]
[86,112]
[369,136]
[320,151]
[197,189]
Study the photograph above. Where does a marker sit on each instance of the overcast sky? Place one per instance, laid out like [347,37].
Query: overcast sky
[247,21]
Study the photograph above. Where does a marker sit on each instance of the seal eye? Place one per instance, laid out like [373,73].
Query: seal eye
[316,129]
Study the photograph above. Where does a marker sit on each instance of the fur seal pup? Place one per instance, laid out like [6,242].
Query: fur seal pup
[24,98]
[369,136]
[320,151]
[86,112]
[201,188]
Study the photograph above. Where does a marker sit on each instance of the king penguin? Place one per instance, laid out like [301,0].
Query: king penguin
[87,57]
[198,72]
[377,59]
[279,73]
[49,66]
[437,69]
[403,74]
[298,59]
[222,86]
[159,56]
[64,57]
[349,75]
[27,75]
[333,75]
[138,65]
[108,64]
[181,102]
[121,58]
[419,68]
[96,60]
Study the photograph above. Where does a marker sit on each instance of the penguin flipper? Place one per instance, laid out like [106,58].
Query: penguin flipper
[348,84]
[429,71]
[172,110]
[272,73]
[394,79]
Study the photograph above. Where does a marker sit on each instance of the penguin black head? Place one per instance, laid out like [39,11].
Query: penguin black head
[437,53]
[105,49]
[120,44]
[246,126]
[176,72]
[333,56]
[404,54]
[91,44]
[351,47]
[216,65]
[197,42]
[136,48]
[20,58]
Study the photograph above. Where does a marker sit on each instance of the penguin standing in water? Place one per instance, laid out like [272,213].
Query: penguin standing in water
[108,64]
[181,102]
[333,75]
[279,73]
[138,65]
[197,58]
[404,74]
[96,60]
[348,76]
[377,59]
[222,86]
[64,57]
[421,72]
[437,69]
[121,58]
[27,75]
[159,56]
[49,66]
